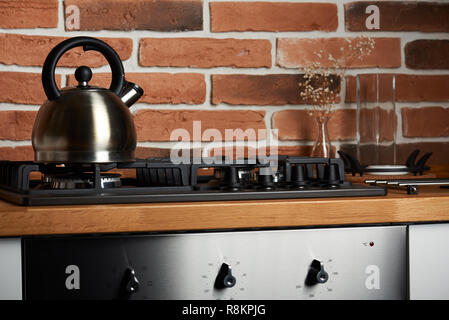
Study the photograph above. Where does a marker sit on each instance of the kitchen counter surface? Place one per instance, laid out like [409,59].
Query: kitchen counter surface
[431,204]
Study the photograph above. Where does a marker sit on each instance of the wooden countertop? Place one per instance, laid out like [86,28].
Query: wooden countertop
[432,204]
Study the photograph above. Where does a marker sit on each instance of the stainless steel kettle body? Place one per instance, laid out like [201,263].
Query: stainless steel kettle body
[85,124]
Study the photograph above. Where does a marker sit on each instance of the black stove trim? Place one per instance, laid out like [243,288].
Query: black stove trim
[28,199]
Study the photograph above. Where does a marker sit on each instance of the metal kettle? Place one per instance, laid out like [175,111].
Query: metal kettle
[85,124]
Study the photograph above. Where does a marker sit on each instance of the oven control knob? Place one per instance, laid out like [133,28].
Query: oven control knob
[225,279]
[130,282]
[316,273]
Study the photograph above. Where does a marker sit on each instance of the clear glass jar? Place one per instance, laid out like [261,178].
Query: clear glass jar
[376,119]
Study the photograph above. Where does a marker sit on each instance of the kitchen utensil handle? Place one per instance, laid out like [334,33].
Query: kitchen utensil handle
[88,43]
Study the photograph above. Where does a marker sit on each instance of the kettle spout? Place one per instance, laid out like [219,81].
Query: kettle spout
[131,92]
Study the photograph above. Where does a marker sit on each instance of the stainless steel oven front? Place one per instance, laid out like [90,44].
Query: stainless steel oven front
[331,263]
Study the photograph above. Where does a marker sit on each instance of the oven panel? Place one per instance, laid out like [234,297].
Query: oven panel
[428,257]
[10,269]
[337,263]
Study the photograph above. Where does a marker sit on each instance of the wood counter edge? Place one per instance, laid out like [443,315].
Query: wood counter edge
[395,208]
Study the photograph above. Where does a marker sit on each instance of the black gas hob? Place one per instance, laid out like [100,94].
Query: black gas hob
[160,180]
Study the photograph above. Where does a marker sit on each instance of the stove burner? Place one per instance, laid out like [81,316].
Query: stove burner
[80,181]
[247,176]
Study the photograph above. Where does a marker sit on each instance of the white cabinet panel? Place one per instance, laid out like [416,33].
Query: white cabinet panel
[429,261]
[10,269]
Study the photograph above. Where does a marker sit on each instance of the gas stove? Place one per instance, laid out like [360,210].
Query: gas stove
[161,180]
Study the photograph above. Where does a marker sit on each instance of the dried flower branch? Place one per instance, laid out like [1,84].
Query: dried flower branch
[322,83]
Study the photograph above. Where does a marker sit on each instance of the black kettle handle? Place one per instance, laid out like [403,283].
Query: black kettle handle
[88,43]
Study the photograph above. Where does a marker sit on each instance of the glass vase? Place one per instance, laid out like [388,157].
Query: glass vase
[376,119]
[322,148]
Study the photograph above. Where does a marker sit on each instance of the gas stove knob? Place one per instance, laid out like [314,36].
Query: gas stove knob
[300,176]
[316,273]
[265,178]
[331,175]
[225,279]
[130,282]
[233,179]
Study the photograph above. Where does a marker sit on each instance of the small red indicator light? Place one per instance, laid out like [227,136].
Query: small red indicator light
[371,244]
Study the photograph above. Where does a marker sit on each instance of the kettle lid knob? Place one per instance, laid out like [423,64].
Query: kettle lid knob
[83,75]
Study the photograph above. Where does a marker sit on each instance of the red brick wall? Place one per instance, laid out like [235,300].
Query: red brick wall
[230,64]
